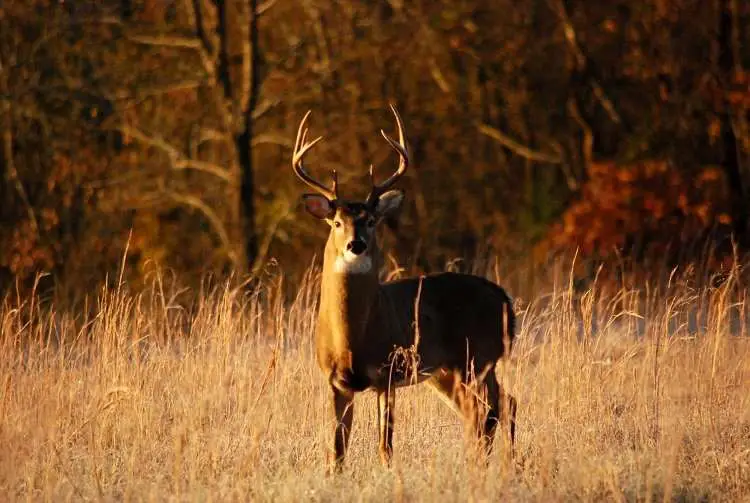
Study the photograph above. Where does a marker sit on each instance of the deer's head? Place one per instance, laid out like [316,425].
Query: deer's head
[353,223]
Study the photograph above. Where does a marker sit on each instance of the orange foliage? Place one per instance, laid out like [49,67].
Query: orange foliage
[25,255]
[738,94]
[651,202]
[40,237]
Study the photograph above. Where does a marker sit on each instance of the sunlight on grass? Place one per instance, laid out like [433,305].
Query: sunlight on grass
[633,395]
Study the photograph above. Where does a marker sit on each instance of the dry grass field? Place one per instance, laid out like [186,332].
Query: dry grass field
[634,395]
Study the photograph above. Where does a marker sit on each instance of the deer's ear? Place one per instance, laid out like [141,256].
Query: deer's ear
[318,206]
[389,203]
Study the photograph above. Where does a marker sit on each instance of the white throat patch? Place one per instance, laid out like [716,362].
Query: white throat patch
[349,263]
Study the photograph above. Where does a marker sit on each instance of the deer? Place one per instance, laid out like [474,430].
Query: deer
[437,328]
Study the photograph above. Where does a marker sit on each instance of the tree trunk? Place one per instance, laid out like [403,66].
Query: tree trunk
[727,59]
[244,143]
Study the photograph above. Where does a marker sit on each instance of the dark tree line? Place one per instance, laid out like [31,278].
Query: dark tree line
[163,128]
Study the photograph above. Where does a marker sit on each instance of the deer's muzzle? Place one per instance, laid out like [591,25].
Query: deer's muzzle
[356,246]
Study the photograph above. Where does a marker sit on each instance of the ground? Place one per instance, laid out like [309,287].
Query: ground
[623,399]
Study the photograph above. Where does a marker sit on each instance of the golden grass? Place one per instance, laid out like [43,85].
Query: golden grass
[635,396]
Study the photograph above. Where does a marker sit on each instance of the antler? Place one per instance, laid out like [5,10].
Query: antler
[400,147]
[301,147]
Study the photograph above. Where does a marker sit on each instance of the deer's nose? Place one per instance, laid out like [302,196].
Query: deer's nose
[356,246]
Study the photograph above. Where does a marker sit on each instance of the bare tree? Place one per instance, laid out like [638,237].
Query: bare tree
[728,63]
[223,36]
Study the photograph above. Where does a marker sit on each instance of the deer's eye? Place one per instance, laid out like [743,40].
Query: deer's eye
[337,224]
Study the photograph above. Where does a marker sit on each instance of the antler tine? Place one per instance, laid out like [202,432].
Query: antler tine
[335,177]
[301,147]
[403,153]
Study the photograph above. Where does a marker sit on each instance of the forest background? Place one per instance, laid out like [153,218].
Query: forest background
[157,134]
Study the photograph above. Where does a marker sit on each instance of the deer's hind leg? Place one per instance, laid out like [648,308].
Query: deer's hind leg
[456,391]
[493,407]
[507,406]
[482,407]
[502,411]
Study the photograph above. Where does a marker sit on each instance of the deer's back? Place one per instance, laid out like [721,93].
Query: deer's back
[461,318]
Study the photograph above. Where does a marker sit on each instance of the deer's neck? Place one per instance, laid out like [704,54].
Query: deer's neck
[347,301]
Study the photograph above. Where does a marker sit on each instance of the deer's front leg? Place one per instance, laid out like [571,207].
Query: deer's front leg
[343,406]
[386,404]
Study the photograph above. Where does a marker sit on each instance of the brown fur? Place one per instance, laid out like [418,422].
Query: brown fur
[464,322]
[448,328]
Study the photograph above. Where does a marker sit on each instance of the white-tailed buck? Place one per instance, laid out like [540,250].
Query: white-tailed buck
[449,329]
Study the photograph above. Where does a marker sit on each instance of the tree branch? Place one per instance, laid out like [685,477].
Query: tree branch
[438,77]
[148,92]
[587,147]
[280,215]
[152,141]
[208,56]
[212,218]
[223,14]
[264,7]
[584,65]
[245,84]
[263,107]
[164,40]
[516,147]
[274,139]
[11,173]
[7,148]
[204,167]
[177,160]
[200,29]
[209,134]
